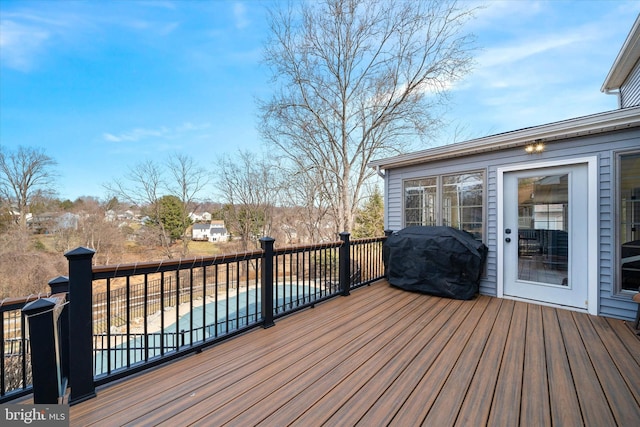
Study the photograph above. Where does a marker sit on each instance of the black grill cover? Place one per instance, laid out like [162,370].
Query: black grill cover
[441,261]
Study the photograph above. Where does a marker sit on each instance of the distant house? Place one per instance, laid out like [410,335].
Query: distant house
[213,231]
[112,215]
[558,205]
[203,217]
[48,222]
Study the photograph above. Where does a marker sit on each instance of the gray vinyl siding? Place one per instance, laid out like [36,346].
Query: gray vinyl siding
[603,146]
[488,283]
[606,237]
[630,89]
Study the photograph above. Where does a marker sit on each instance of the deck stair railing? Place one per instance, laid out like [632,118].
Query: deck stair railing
[127,318]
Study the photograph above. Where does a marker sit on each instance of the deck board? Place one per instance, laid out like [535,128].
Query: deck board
[593,402]
[563,400]
[477,403]
[614,387]
[415,408]
[535,409]
[282,390]
[505,406]
[382,356]
[455,388]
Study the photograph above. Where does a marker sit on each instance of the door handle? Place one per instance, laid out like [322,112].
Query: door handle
[508,239]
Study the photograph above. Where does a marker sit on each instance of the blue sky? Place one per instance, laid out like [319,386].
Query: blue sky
[102,86]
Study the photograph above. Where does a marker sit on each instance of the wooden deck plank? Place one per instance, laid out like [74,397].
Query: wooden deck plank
[564,405]
[454,390]
[505,406]
[627,336]
[593,404]
[384,356]
[231,383]
[230,356]
[376,373]
[301,373]
[477,404]
[614,386]
[535,410]
[419,401]
[620,354]
[382,344]
[390,401]
[360,402]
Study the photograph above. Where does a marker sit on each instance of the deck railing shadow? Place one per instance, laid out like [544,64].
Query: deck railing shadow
[130,317]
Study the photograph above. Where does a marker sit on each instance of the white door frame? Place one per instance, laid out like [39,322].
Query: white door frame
[592,222]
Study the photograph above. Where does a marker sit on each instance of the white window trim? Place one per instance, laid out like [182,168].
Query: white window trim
[438,204]
[616,288]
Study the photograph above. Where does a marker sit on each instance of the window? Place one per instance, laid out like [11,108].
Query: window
[629,217]
[452,200]
[419,202]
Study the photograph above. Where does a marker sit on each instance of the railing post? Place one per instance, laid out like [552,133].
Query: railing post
[387,233]
[266,281]
[81,317]
[60,285]
[44,355]
[345,264]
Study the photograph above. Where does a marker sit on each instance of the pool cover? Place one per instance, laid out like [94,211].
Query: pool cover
[441,261]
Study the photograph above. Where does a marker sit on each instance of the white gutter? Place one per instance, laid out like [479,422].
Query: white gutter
[614,92]
[587,125]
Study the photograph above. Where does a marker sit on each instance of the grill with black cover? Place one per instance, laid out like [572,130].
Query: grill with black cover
[439,260]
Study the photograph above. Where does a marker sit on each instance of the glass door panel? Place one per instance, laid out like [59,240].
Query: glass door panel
[543,225]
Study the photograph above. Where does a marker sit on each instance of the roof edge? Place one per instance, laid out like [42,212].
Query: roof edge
[625,61]
[586,125]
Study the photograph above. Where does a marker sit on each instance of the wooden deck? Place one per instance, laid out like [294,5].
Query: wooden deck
[383,356]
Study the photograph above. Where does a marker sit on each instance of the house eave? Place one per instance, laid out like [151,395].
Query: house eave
[625,61]
[571,128]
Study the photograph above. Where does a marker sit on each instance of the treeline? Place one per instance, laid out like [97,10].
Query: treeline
[145,217]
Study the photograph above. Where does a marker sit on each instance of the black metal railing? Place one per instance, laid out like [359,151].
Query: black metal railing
[196,299]
[15,366]
[131,317]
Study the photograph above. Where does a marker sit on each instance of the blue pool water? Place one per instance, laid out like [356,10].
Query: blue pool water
[243,309]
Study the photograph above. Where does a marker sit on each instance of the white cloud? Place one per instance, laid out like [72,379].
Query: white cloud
[169,28]
[505,11]
[539,65]
[28,33]
[240,16]
[520,50]
[162,133]
[137,134]
[20,44]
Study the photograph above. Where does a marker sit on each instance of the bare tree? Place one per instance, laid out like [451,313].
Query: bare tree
[148,185]
[24,174]
[142,187]
[307,195]
[94,231]
[250,187]
[25,265]
[187,180]
[356,79]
